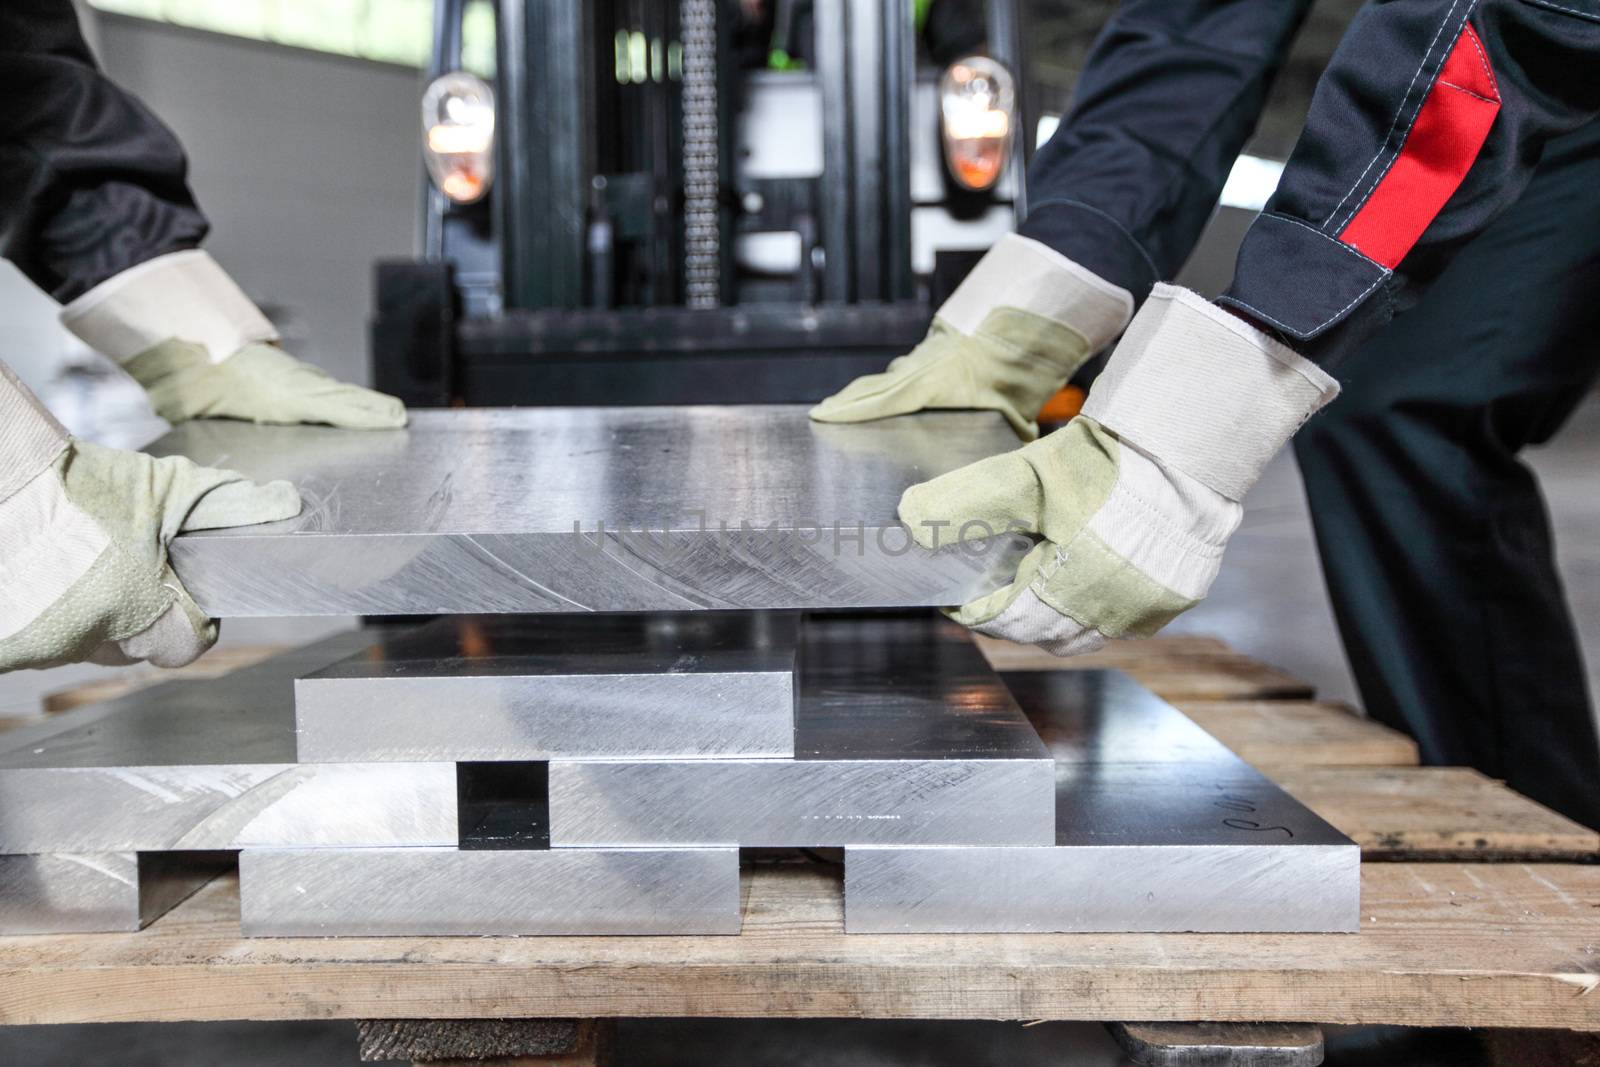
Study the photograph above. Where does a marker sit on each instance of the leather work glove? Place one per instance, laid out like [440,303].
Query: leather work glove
[83,542]
[187,333]
[1133,501]
[1011,334]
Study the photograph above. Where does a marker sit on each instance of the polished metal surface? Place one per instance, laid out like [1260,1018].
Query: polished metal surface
[1099,717]
[684,685]
[903,734]
[539,510]
[198,765]
[87,893]
[1156,830]
[438,892]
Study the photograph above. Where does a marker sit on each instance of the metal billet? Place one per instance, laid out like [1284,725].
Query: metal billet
[441,892]
[474,688]
[105,892]
[1156,830]
[203,765]
[539,510]
[903,734]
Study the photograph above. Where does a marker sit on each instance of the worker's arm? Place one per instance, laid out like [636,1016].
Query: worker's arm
[96,210]
[83,542]
[1119,195]
[1427,124]
[201,348]
[1170,93]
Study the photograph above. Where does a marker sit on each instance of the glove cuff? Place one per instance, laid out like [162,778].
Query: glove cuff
[1205,393]
[30,437]
[184,296]
[1019,272]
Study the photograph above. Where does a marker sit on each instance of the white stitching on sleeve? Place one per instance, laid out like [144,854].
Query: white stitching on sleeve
[1294,331]
[1352,249]
[1395,125]
[1488,72]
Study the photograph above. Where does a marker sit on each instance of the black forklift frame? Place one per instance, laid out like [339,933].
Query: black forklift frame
[500,307]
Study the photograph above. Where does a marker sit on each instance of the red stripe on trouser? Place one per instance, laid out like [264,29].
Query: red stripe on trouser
[1443,143]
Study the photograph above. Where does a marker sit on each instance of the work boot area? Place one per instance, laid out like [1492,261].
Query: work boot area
[799,532]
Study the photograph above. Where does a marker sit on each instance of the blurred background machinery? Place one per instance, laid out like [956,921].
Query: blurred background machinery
[699,201]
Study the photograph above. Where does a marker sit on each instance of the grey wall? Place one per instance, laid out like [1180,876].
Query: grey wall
[306,164]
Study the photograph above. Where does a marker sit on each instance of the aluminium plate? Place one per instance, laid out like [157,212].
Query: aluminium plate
[534,510]
[424,892]
[202,765]
[105,892]
[903,734]
[1156,831]
[539,687]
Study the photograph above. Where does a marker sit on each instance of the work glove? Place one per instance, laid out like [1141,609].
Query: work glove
[1011,334]
[1133,501]
[83,543]
[187,333]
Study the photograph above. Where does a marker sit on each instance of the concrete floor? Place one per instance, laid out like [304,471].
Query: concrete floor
[700,1043]
[1268,602]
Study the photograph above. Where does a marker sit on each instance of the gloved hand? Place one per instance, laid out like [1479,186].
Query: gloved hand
[181,327]
[83,543]
[1011,334]
[1134,500]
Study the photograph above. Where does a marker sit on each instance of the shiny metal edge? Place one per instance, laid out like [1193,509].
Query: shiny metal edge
[1203,888]
[105,892]
[125,809]
[703,685]
[444,892]
[596,717]
[600,509]
[802,803]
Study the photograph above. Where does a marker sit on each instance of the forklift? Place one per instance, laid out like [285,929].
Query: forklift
[698,201]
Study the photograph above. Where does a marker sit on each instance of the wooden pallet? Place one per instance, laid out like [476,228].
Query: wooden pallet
[1510,942]
[1492,945]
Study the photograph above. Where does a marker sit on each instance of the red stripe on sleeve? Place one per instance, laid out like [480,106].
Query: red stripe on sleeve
[1443,143]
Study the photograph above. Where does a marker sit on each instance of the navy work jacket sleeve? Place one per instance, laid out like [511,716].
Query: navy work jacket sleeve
[1427,123]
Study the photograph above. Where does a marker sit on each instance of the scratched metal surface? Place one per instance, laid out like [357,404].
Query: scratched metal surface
[200,765]
[478,688]
[1156,830]
[474,511]
[90,893]
[903,734]
[442,892]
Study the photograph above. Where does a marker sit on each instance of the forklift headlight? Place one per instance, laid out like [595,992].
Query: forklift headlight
[977,103]
[458,135]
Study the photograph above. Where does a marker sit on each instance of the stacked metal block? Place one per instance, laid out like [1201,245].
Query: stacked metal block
[536,768]
[107,813]
[1158,827]
[611,766]
[508,699]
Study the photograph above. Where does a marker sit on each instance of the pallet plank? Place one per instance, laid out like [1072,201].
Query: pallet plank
[1300,733]
[1436,813]
[1441,944]
[1180,667]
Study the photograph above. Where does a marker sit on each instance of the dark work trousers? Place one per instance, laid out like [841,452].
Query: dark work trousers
[1433,533]
[91,182]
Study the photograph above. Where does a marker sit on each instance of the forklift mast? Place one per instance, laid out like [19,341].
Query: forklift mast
[602,265]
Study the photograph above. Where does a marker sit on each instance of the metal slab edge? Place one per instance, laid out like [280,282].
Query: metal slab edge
[802,803]
[1104,889]
[445,892]
[104,892]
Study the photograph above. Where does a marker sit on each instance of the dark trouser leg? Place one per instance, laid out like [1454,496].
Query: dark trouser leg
[91,182]
[1433,534]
